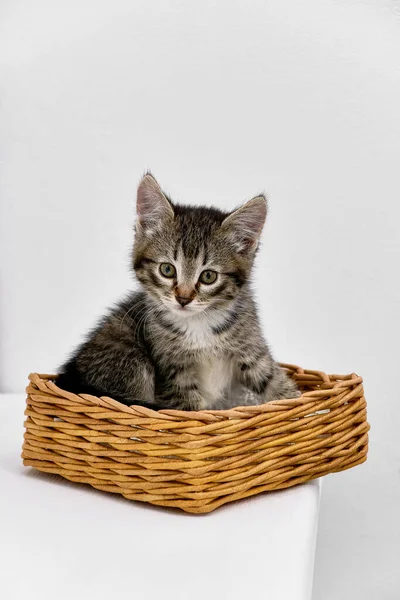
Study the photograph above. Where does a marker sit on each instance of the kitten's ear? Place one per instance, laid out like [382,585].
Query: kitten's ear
[244,225]
[152,207]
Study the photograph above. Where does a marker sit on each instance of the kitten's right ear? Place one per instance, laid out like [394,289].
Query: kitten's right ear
[152,207]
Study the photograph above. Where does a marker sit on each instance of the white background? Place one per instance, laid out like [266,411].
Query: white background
[221,100]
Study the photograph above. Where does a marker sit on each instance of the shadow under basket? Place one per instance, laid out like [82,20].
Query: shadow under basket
[197,461]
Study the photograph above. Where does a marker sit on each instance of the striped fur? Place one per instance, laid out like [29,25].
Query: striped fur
[180,342]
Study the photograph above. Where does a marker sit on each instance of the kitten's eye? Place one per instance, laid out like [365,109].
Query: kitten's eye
[208,277]
[167,270]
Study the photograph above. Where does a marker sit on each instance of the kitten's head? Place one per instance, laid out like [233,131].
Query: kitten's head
[194,259]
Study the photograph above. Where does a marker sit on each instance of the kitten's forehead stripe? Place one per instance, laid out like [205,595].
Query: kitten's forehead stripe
[205,258]
[196,225]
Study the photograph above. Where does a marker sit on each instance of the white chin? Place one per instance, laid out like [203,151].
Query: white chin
[183,312]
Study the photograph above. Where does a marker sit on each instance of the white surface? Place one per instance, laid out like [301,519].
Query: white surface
[61,540]
[220,100]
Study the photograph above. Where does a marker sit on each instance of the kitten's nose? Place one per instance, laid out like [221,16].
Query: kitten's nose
[183,300]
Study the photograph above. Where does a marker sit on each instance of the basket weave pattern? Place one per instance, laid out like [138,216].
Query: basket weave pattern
[197,461]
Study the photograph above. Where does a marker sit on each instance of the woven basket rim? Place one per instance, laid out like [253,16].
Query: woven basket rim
[336,384]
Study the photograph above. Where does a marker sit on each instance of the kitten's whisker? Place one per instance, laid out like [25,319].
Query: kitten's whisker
[146,313]
[129,311]
[142,315]
[143,302]
[125,315]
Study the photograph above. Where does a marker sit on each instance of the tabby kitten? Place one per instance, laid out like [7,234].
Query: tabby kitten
[190,339]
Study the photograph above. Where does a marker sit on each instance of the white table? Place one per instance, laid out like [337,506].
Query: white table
[60,540]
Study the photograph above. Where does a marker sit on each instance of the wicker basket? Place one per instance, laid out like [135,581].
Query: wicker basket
[197,461]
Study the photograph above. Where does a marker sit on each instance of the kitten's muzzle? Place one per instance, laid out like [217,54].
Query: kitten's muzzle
[183,300]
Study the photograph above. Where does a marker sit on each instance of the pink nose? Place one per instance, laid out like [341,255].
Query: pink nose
[183,300]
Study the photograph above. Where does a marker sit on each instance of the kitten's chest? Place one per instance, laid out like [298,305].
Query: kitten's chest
[213,362]
[215,376]
[198,336]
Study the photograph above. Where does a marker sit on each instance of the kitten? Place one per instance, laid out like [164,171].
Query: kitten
[191,338]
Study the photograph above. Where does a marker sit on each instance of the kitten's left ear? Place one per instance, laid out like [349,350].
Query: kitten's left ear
[244,225]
